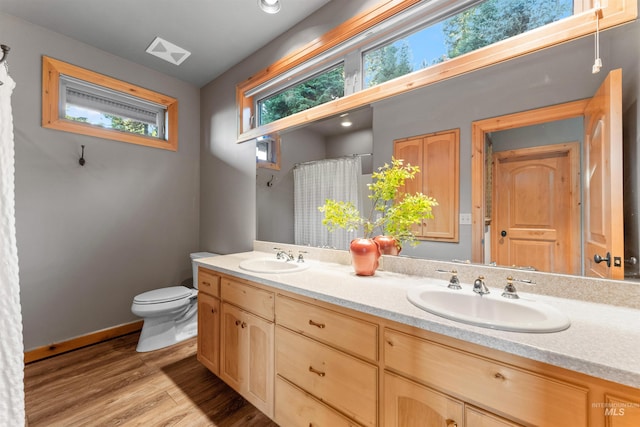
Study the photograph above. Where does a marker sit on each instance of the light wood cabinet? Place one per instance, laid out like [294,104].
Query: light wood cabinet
[299,408]
[516,393]
[620,411]
[474,417]
[342,381]
[246,356]
[309,363]
[341,331]
[208,282]
[437,155]
[209,332]
[409,404]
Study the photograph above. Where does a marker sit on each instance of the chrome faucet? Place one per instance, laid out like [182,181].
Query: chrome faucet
[479,287]
[454,282]
[287,256]
[510,290]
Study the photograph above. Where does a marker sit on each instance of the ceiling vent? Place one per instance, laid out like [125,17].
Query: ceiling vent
[168,51]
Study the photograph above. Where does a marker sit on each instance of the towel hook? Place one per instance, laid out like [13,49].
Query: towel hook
[270,182]
[82,160]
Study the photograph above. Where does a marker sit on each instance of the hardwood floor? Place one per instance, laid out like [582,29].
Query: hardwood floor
[110,384]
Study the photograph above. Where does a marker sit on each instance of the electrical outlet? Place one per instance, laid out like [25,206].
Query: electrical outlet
[465,218]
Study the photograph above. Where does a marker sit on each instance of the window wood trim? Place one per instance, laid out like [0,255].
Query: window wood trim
[51,70]
[616,12]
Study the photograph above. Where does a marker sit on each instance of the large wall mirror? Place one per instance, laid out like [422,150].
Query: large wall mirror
[554,76]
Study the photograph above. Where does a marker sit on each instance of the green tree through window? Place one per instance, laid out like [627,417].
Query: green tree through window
[477,27]
[315,91]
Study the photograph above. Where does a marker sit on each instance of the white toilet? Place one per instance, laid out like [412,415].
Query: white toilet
[170,314]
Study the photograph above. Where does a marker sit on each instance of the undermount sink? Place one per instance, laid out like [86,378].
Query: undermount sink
[272,265]
[490,310]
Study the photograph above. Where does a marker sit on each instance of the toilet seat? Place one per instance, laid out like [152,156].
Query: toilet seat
[162,295]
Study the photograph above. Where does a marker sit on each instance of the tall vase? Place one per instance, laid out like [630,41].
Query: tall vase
[364,256]
[388,245]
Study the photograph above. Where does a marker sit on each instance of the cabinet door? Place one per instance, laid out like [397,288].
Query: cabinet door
[209,332]
[408,404]
[474,417]
[620,412]
[230,349]
[257,355]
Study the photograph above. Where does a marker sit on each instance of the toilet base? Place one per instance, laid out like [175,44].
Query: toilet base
[161,332]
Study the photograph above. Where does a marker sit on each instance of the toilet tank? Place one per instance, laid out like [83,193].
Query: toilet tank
[194,266]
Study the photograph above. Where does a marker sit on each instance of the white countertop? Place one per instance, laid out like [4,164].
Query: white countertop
[603,340]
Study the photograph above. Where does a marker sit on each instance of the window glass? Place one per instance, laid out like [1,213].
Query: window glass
[98,106]
[322,88]
[489,22]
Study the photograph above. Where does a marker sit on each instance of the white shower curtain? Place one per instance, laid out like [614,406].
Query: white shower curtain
[11,346]
[314,182]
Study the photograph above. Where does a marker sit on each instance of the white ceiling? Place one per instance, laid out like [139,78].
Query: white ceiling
[218,33]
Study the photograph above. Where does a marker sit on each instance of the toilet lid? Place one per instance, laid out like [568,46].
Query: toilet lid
[157,296]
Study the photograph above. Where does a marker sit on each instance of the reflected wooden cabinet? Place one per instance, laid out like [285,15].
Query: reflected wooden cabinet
[438,157]
[209,332]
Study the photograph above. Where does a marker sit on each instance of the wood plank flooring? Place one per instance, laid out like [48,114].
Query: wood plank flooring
[110,384]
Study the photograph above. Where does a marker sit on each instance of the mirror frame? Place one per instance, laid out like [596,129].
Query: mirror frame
[615,13]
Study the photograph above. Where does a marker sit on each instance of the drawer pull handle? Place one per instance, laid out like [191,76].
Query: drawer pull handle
[213,310]
[237,322]
[451,423]
[499,376]
[319,325]
[206,283]
[243,325]
[315,371]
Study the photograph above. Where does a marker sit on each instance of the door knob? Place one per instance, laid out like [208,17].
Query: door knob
[598,259]
[503,233]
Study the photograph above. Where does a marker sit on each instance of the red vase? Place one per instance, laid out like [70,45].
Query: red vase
[364,256]
[388,245]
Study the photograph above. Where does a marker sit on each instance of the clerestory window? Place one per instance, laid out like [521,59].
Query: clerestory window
[482,25]
[401,45]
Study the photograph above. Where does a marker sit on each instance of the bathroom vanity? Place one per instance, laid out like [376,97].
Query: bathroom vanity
[323,347]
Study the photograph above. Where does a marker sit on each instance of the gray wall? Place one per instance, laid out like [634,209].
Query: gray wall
[558,132]
[91,238]
[228,170]
[275,219]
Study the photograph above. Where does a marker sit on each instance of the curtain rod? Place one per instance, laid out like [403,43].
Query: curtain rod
[311,162]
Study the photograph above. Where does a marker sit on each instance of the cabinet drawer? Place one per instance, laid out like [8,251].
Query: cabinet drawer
[208,282]
[342,381]
[526,396]
[345,332]
[252,299]
[297,408]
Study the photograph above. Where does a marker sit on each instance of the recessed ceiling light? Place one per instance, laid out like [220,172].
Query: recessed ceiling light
[269,6]
[346,123]
[168,51]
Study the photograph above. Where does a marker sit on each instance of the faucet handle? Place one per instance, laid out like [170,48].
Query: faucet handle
[454,282]
[510,290]
[300,257]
